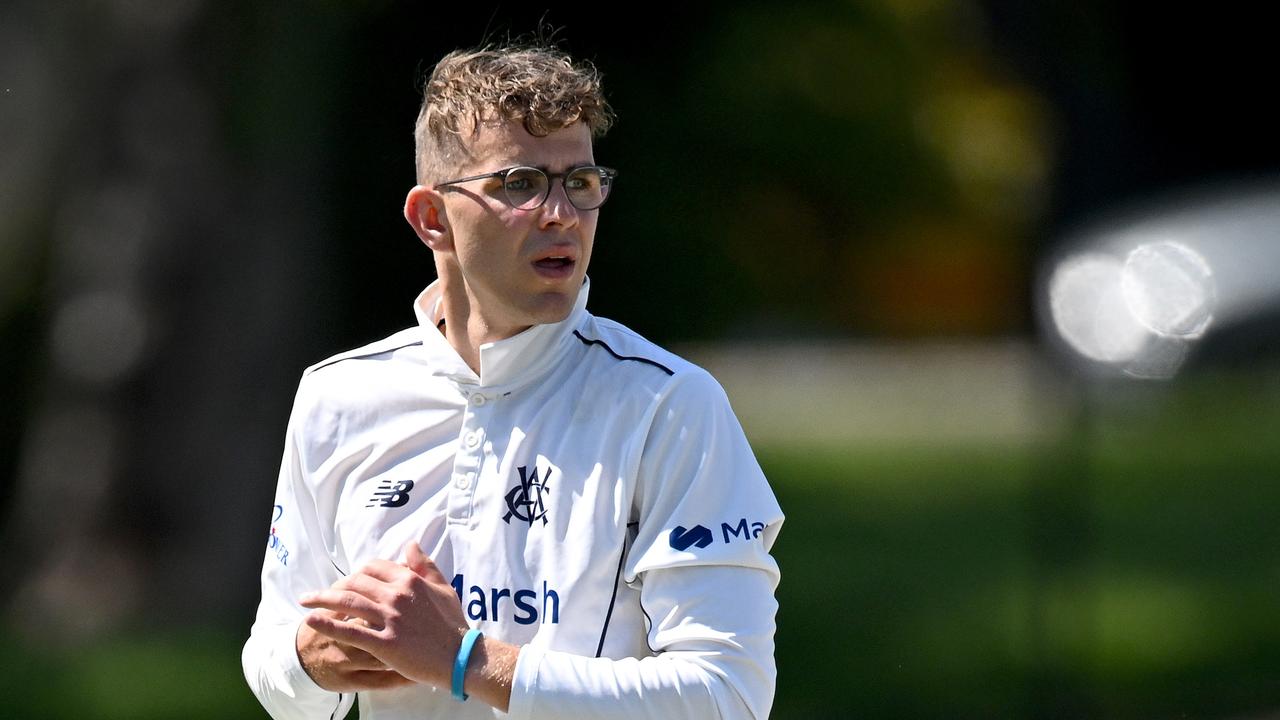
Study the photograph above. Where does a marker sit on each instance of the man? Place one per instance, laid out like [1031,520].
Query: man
[514,501]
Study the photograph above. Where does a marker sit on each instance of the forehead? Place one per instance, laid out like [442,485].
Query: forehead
[498,145]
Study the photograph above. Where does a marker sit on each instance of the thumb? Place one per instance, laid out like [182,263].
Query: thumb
[418,562]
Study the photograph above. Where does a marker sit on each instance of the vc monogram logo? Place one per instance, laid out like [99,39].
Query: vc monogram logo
[524,501]
[391,494]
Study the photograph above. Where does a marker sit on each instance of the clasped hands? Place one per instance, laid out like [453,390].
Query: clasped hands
[386,626]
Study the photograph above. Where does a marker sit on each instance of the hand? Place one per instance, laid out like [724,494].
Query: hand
[338,667]
[411,618]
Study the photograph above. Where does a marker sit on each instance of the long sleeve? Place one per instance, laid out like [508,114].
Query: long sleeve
[296,562]
[706,521]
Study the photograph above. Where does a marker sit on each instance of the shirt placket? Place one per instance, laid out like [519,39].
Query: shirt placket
[469,458]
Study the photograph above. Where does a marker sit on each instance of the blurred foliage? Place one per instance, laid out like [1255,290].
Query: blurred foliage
[840,168]
[1127,572]
[142,675]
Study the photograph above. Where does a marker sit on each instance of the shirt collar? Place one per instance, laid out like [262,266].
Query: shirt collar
[504,362]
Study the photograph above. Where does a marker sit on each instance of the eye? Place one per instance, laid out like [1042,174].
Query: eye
[583,180]
[519,183]
[525,187]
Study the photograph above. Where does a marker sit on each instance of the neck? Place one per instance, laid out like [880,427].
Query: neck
[466,327]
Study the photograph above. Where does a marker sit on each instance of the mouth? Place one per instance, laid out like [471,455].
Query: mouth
[555,266]
[554,262]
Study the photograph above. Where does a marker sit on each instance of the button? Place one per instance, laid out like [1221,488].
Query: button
[462,481]
[478,399]
[471,439]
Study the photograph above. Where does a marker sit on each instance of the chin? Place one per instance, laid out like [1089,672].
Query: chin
[553,307]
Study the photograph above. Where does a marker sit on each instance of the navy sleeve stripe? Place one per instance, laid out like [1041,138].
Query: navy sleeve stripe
[356,354]
[603,344]
[609,615]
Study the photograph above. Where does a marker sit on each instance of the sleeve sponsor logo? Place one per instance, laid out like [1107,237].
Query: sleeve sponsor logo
[741,531]
[274,543]
[683,538]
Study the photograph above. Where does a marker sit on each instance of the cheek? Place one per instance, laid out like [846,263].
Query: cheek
[588,237]
[489,253]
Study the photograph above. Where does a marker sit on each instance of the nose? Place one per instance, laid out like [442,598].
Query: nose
[557,210]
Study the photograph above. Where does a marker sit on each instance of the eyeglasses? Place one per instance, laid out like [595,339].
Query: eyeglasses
[527,188]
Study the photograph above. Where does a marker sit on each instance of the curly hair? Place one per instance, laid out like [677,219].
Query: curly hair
[542,87]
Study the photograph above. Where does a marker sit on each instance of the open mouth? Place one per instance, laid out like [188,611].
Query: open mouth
[555,262]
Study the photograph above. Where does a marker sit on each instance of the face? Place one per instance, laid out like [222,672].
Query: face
[518,267]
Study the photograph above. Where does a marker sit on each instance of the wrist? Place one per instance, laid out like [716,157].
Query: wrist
[303,667]
[461,661]
[491,672]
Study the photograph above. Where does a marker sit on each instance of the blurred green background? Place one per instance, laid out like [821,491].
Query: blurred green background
[842,209]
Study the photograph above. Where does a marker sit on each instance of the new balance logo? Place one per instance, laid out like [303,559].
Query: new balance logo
[391,494]
[681,538]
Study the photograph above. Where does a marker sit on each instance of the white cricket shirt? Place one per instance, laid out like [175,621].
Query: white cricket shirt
[591,496]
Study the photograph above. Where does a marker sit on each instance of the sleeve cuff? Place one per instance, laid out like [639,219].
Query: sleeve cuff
[524,682]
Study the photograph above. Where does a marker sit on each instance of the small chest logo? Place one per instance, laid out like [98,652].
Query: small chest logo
[524,501]
[391,493]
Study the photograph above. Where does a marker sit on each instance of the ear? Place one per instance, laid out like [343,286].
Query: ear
[424,209]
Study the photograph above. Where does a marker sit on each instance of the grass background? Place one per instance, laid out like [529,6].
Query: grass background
[1128,569]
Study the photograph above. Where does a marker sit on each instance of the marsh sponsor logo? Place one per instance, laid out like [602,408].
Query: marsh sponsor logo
[741,531]
[699,536]
[682,538]
[525,606]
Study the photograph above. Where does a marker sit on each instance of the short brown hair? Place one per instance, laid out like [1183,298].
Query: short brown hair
[542,87]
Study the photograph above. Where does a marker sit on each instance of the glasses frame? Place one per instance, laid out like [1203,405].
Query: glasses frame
[607,175]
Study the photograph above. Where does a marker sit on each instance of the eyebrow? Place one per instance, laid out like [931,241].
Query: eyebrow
[547,168]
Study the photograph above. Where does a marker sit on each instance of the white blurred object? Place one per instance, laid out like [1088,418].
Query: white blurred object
[1089,309]
[1168,287]
[1202,257]
[1138,314]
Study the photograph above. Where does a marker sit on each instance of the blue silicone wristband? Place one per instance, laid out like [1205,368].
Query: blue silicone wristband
[460,663]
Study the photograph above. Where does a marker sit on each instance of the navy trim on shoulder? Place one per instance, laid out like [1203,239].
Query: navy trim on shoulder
[603,344]
[377,348]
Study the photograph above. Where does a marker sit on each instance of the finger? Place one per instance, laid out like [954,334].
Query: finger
[358,636]
[383,570]
[330,613]
[376,590]
[344,602]
[421,564]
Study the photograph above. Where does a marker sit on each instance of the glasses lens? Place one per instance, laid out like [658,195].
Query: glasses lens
[587,187]
[525,187]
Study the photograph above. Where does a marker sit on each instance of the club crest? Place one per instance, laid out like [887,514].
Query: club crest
[524,501]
